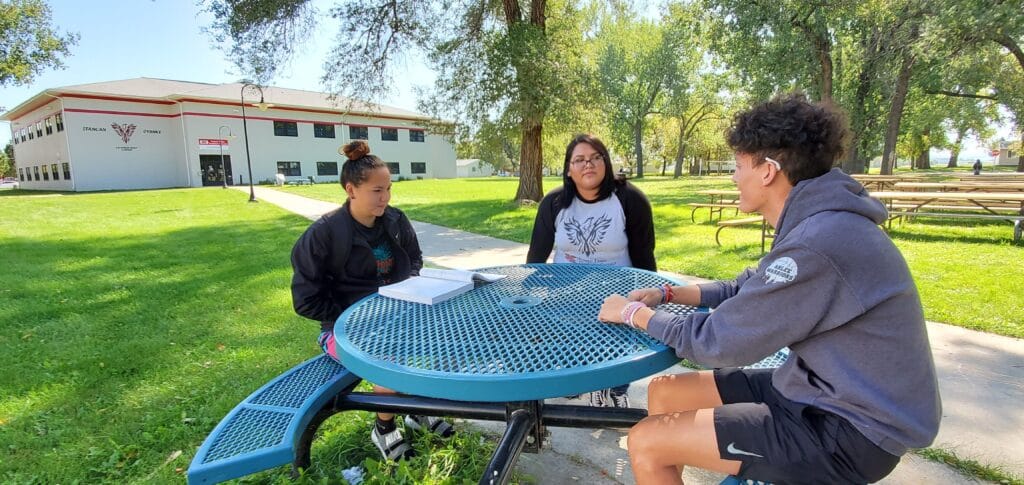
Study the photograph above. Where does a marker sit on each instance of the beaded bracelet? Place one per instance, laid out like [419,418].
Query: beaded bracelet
[664,296]
[667,293]
[629,311]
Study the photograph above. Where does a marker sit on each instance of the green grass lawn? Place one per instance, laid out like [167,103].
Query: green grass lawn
[970,274]
[133,322]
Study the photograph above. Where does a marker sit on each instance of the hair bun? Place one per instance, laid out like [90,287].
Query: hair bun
[355,150]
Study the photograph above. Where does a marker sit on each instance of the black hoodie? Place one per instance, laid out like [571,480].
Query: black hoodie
[334,266]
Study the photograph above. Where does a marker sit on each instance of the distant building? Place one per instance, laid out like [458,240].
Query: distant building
[473,167]
[1006,155]
[151,133]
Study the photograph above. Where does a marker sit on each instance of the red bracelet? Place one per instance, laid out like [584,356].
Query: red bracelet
[669,294]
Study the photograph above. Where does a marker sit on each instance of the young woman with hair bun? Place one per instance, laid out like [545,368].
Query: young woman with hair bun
[348,254]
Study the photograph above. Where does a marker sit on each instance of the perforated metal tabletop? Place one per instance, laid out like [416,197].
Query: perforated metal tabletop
[532,335]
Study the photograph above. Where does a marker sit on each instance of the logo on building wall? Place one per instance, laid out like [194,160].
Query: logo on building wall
[125,131]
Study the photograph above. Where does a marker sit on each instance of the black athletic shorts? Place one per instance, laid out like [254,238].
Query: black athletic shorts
[784,442]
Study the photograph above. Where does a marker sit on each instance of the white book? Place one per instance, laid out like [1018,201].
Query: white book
[436,285]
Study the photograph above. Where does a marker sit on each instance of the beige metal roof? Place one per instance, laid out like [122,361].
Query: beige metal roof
[172,90]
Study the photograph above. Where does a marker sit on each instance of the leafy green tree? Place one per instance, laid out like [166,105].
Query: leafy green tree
[512,58]
[975,27]
[699,91]
[29,43]
[636,65]
[8,168]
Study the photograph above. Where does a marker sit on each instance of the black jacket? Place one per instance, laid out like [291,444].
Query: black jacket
[639,226]
[334,266]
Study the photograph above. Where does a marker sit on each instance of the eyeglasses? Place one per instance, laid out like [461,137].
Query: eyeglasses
[773,162]
[592,161]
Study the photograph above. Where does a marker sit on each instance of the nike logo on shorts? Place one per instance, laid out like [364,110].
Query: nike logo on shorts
[732,449]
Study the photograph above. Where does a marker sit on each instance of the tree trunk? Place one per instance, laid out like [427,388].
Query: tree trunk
[1020,153]
[954,154]
[680,154]
[825,58]
[638,143]
[531,161]
[923,160]
[853,164]
[858,116]
[892,130]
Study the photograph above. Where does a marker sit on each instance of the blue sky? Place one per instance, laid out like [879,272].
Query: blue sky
[124,39]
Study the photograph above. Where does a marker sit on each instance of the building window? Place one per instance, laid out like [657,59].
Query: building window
[35,170]
[323,131]
[327,168]
[31,133]
[46,172]
[358,132]
[56,174]
[60,122]
[49,125]
[21,174]
[393,168]
[286,128]
[14,138]
[419,167]
[416,135]
[67,170]
[289,169]
[389,134]
[39,128]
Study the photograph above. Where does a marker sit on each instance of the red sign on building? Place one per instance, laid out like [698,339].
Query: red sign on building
[212,142]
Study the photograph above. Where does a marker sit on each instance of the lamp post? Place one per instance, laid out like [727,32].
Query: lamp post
[223,168]
[253,89]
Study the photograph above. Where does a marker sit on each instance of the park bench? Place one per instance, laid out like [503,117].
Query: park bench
[713,208]
[766,232]
[275,425]
[1018,225]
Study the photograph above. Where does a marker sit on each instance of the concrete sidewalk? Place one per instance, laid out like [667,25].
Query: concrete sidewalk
[981,379]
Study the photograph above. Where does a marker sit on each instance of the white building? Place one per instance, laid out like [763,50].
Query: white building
[1006,155]
[150,133]
[473,167]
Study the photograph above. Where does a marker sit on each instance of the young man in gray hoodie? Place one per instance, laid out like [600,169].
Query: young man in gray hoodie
[859,386]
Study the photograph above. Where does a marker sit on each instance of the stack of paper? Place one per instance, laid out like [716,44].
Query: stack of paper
[436,285]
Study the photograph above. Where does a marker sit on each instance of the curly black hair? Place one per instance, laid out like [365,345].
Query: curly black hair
[806,138]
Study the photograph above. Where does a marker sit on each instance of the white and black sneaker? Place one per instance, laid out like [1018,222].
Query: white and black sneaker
[609,398]
[391,444]
[619,399]
[429,424]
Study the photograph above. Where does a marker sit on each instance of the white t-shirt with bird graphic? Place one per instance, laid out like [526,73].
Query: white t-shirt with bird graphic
[592,233]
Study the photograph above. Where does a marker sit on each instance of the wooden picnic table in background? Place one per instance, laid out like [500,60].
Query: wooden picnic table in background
[1007,206]
[883,182]
[966,204]
[965,186]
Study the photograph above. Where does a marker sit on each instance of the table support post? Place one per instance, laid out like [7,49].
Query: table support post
[302,448]
[520,424]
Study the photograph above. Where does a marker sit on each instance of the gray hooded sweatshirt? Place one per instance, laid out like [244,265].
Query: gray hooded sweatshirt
[837,292]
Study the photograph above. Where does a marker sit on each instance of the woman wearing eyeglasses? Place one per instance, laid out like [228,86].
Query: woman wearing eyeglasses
[597,218]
